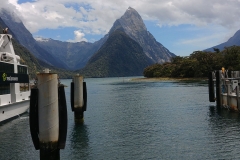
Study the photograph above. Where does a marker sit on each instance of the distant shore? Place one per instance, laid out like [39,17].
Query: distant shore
[167,79]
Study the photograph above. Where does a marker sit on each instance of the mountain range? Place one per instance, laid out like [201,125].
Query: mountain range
[27,58]
[25,38]
[119,56]
[142,48]
[73,55]
[125,51]
[233,41]
[78,54]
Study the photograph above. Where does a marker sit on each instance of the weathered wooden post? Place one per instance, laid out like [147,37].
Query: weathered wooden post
[78,97]
[218,88]
[238,102]
[48,116]
[211,87]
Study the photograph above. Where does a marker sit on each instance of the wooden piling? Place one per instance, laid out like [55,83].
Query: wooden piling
[218,89]
[211,87]
[238,102]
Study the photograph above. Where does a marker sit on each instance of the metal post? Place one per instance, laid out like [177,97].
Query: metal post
[48,116]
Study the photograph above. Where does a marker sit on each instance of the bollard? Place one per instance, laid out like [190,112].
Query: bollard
[78,97]
[78,92]
[48,116]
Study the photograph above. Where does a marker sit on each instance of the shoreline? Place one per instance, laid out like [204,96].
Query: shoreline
[167,79]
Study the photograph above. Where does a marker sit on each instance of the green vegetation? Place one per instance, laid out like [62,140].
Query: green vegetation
[119,56]
[197,65]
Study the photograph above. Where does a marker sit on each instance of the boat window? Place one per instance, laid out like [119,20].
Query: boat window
[24,87]
[4,89]
[22,69]
[7,68]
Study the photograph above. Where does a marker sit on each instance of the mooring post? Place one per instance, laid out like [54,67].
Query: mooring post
[218,88]
[48,116]
[211,87]
[237,94]
[78,98]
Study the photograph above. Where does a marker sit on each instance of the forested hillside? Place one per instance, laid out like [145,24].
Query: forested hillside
[119,56]
[198,64]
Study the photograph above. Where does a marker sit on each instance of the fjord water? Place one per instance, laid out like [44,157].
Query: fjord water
[137,120]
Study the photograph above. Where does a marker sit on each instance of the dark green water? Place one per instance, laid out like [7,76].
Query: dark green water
[137,120]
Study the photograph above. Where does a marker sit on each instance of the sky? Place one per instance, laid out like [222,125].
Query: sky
[182,26]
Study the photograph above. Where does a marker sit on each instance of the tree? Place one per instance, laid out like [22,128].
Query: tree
[216,50]
[198,64]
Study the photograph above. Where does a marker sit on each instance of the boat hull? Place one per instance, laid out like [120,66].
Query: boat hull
[10,111]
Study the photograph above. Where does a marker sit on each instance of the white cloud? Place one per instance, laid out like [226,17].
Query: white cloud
[204,37]
[54,13]
[97,17]
[205,41]
[79,36]
[11,8]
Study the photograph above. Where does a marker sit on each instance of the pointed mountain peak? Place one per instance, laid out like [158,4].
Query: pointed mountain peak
[131,19]
[132,24]
[130,9]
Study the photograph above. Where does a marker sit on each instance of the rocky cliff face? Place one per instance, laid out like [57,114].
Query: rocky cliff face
[133,25]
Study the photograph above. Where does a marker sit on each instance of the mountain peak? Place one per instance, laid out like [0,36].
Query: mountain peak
[132,19]
[132,24]
[131,10]
[119,56]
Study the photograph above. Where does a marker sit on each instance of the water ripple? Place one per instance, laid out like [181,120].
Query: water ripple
[138,120]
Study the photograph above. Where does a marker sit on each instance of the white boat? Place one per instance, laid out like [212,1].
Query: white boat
[14,81]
